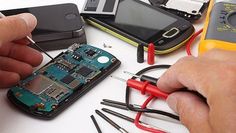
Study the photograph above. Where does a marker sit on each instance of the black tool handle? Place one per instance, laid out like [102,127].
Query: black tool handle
[118,115]
[108,120]
[96,124]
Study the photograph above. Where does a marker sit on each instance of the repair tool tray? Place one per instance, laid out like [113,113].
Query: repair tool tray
[52,88]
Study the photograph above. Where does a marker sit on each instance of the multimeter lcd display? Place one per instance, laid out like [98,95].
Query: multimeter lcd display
[138,20]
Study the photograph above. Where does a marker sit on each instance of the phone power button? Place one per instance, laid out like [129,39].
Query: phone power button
[171,33]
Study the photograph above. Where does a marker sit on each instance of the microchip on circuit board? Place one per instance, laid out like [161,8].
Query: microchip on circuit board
[84,71]
[67,79]
[90,53]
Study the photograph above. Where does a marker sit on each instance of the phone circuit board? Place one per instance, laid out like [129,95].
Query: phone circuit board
[62,81]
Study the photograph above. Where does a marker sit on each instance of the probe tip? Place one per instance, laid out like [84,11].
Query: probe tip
[118,78]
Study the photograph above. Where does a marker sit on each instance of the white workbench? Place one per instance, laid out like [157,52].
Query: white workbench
[76,119]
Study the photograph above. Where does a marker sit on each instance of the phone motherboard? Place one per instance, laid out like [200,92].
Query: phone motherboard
[63,80]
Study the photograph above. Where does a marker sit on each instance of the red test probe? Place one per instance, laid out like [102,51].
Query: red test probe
[144,87]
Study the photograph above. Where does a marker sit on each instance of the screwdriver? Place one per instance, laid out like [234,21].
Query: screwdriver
[150,79]
[31,41]
[144,87]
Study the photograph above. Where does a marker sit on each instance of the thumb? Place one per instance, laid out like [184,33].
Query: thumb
[16,27]
[193,112]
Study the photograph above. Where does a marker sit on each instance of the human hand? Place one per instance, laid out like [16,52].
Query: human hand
[16,58]
[213,75]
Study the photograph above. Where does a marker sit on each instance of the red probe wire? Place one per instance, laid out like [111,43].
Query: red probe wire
[189,43]
[136,121]
[154,90]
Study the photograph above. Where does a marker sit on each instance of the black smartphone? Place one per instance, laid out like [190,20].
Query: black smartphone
[58,25]
[139,23]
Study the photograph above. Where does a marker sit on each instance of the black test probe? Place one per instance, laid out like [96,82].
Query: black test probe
[150,79]
[140,53]
[122,130]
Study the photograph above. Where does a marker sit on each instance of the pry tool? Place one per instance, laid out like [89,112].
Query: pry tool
[31,40]
[95,124]
[122,130]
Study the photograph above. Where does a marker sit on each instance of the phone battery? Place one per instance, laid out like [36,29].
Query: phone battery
[100,8]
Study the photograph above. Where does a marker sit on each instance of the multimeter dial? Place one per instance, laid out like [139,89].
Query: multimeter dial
[226,17]
[224,29]
[232,19]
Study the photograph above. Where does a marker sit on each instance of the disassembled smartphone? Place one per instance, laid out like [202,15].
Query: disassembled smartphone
[58,26]
[191,10]
[52,88]
[139,23]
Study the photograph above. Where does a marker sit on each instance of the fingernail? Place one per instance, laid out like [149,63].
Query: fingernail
[29,19]
[172,102]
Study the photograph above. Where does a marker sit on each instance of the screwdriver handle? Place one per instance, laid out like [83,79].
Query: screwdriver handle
[145,87]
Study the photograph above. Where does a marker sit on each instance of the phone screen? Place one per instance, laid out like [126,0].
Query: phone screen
[139,20]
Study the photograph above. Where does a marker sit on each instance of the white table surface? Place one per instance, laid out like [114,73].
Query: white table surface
[76,119]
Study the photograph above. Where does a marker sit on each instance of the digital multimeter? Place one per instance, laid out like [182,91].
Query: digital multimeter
[220,26]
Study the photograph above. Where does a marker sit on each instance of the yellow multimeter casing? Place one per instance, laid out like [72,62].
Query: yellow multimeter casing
[220,26]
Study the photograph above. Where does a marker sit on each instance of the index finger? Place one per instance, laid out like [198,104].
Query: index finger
[186,72]
[16,27]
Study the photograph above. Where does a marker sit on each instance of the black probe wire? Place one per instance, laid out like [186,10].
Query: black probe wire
[132,108]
